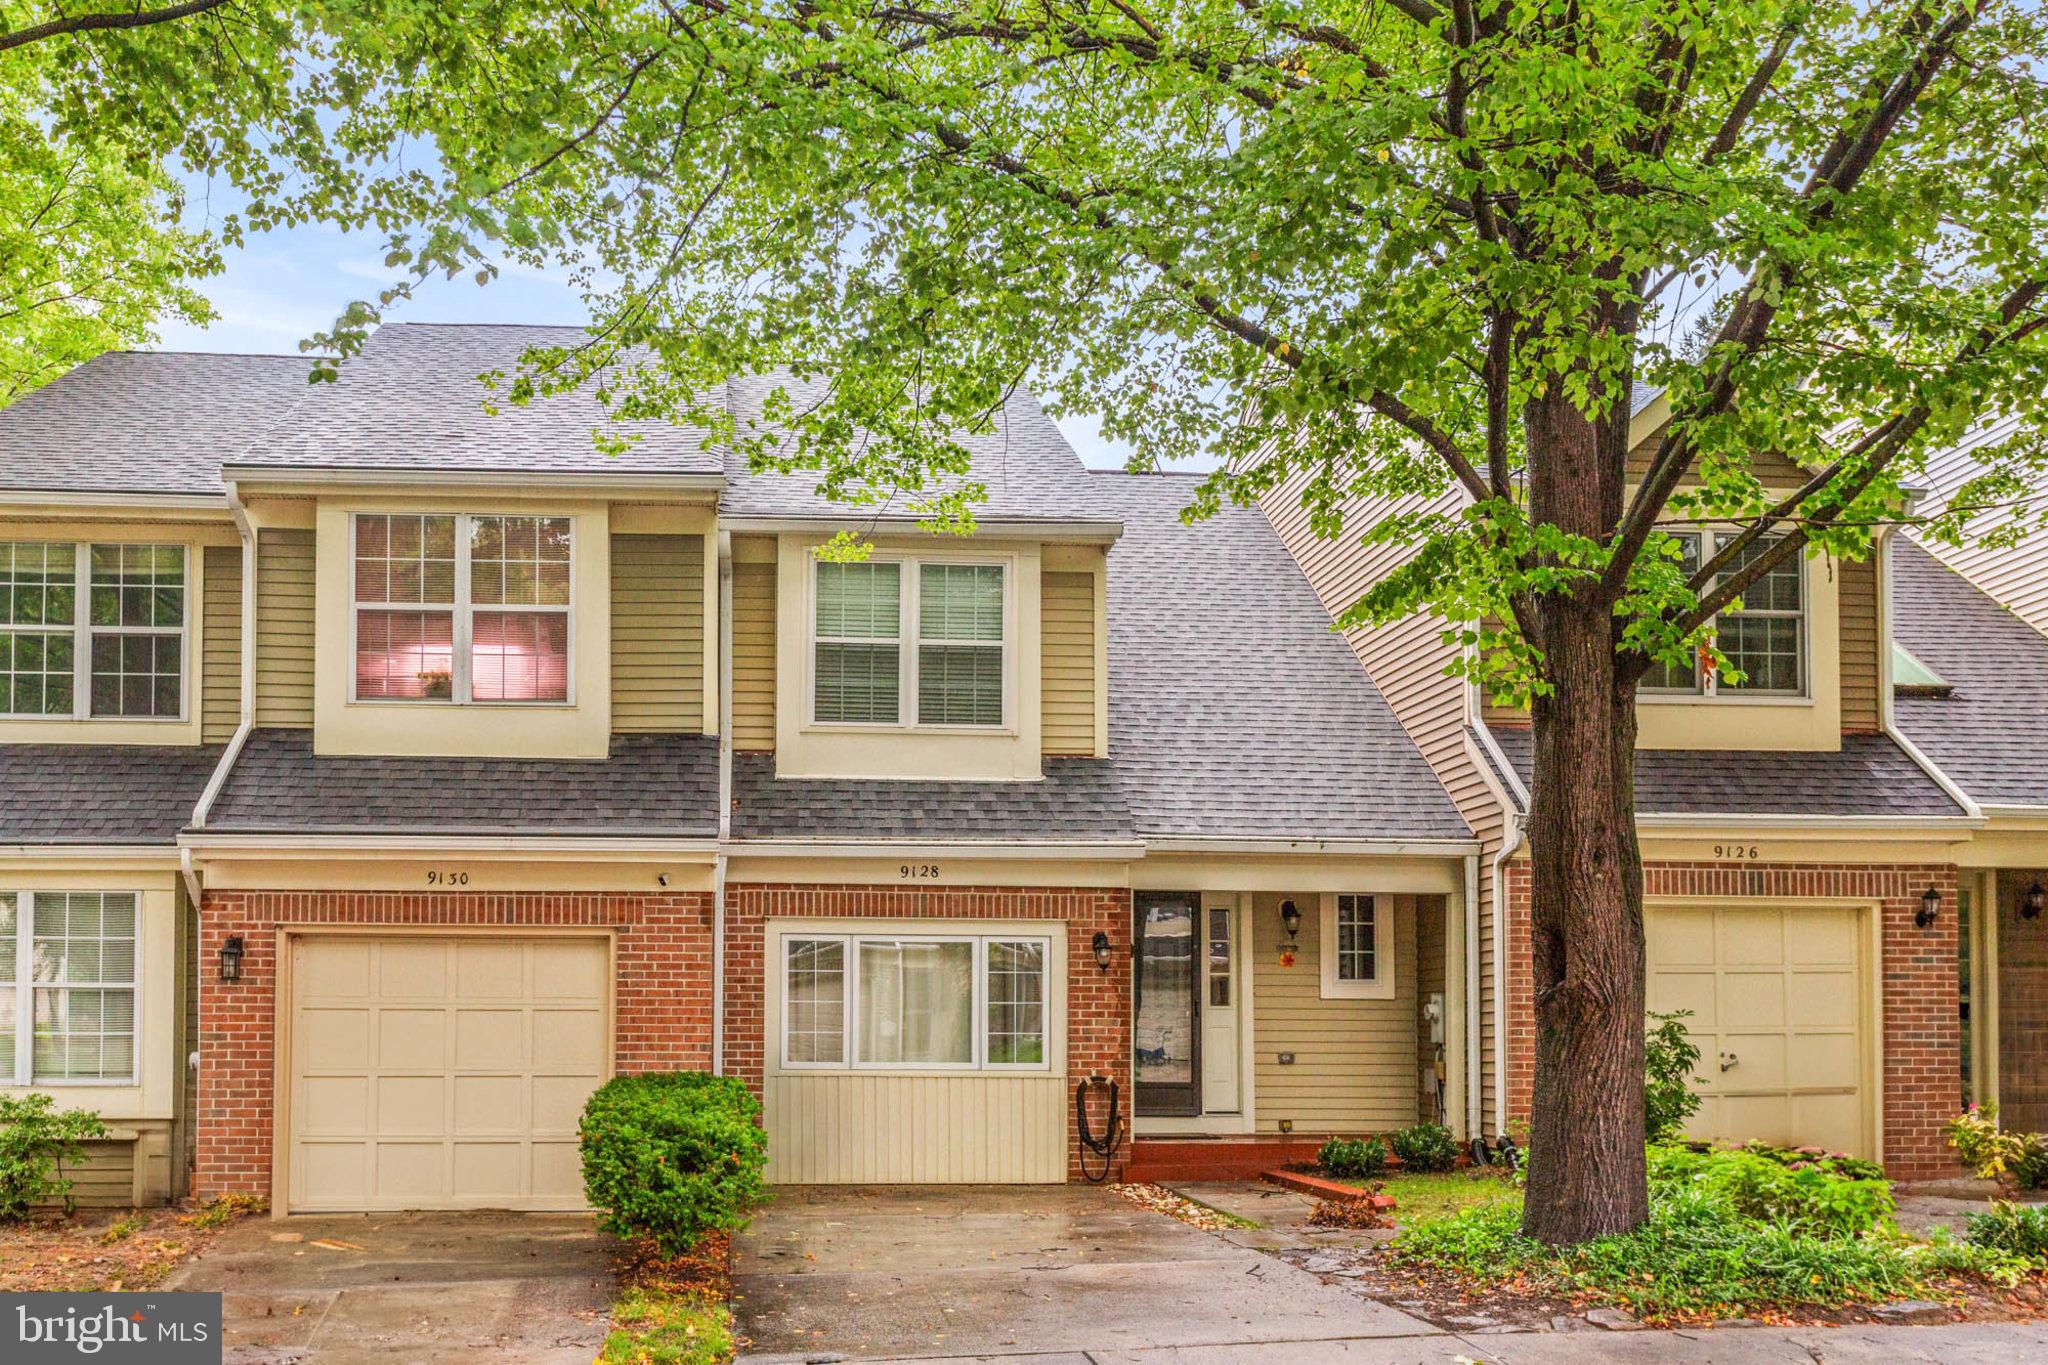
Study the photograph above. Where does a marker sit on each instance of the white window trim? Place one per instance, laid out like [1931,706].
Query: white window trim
[907,642]
[1381,986]
[1707,682]
[850,1003]
[82,632]
[464,610]
[23,1062]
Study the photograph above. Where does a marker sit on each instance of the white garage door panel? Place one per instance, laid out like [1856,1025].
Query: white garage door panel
[443,1072]
[1780,994]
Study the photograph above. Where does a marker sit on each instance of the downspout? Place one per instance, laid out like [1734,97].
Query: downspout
[247,722]
[1473,1086]
[724,802]
[1511,839]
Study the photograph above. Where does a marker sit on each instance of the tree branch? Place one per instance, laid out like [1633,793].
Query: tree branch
[93,23]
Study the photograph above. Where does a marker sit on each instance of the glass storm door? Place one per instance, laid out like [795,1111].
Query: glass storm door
[1166,1033]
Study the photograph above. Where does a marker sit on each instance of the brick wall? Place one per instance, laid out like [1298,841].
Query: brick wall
[1922,1035]
[1098,1002]
[2022,1005]
[663,993]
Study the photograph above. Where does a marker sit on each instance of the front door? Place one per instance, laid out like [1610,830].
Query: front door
[1167,989]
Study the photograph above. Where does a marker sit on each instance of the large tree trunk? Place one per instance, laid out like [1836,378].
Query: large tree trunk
[1586,1170]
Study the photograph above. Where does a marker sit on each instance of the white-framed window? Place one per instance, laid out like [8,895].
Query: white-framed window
[1765,639]
[93,632]
[1357,946]
[910,642]
[67,987]
[461,607]
[944,1002]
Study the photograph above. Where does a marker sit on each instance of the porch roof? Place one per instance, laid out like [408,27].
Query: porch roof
[99,794]
[1078,800]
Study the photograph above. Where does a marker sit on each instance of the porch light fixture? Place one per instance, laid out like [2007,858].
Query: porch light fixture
[1290,917]
[2033,902]
[1101,945]
[1930,907]
[231,958]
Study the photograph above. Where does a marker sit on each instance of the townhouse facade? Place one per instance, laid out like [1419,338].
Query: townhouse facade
[1842,854]
[379,775]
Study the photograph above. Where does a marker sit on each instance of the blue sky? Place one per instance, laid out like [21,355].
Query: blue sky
[284,286]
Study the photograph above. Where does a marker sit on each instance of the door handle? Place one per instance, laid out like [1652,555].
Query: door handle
[1728,1059]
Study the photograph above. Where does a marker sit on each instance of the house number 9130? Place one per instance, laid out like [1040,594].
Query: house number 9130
[435,878]
[917,871]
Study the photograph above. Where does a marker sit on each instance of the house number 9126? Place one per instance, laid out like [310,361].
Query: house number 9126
[447,878]
[1742,851]
[917,871]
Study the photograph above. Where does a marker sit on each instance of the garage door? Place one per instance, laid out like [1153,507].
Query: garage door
[434,1073]
[1780,1011]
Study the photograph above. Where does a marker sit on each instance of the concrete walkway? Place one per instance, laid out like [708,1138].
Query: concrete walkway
[409,1289]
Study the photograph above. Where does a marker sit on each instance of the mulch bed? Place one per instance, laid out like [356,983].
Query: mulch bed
[103,1250]
[705,1270]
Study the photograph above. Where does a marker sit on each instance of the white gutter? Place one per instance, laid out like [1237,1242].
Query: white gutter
[984,528]
[724,647]
[1393,848]
[1885,710]
[156,502]
[92,853]
[1473,1087]
[1511,840]
[374,843]
[247,719]
[1667,820]
[924,850]
[596,481]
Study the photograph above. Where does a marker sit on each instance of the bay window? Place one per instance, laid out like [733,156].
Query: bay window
[461,608]
[1764,639]
[925,1002]
[904,642]
[67,987]
[93,631]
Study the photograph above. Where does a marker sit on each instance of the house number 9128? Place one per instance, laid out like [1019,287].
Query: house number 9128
[917,871]
[447,878]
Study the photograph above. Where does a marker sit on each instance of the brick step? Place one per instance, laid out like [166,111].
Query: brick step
[1169,1159]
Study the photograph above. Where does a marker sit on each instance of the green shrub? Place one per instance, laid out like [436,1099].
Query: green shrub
[2012,1228]
[673,1155]
[35,1142]
[1835,1163]
[2030,1167]
[1425,1147]
[1806,1200]
[1668,1060]
[1358,1159]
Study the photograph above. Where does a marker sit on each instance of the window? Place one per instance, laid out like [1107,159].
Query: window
[924,1001]
[889,630]
[122,657]
[1219,957]
[1765,640]
[462,608]
[67,987]
[1357,948]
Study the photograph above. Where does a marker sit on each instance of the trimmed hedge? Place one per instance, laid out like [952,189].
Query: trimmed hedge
[671,1156]
[1359,1159]
[1425,1148]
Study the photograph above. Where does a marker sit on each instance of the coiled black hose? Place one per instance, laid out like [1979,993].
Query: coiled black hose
[1106,1145]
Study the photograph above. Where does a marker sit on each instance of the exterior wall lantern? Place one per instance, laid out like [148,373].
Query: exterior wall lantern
[231,958]
[1290,918]
[1100,944]
[1930,908]
[2033,902]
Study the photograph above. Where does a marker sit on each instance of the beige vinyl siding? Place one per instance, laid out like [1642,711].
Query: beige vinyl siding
[1406,660]
[284,628]
[1772,469]
[1354,1060]
[2015,576]
[220,655]
[126,1171]
[1860,664]
[846,1127]
[657,633]
[1067,662]
[753,652]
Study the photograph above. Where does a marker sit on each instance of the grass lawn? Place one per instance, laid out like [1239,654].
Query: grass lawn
[1421,1197]
[671,1310]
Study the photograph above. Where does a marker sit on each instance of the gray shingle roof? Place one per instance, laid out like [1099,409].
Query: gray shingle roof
[1078,800]
[1029,470]
[664,785]
[1235,710]
[1870,775]
[1986,733]
[412,400]
[146,422]
[100,793]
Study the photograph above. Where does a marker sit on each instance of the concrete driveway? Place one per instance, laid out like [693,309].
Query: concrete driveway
[878,1274]
[414,1288]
